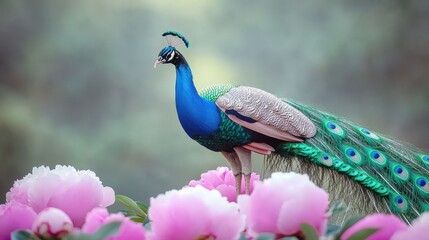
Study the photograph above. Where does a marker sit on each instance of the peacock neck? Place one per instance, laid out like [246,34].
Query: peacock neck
[197,116]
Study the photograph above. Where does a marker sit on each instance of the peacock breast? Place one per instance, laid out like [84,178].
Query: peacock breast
[228,136]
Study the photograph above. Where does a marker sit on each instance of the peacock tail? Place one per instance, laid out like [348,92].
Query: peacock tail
[368,171]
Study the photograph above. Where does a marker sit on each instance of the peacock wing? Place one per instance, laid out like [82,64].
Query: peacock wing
[264,113]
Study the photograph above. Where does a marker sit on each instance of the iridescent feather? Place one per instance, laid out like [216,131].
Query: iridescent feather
[396,181]
[174,39]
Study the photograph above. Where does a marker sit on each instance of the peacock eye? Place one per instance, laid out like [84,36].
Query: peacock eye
[170,56]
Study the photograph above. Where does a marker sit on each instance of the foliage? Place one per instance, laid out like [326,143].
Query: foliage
[136,211]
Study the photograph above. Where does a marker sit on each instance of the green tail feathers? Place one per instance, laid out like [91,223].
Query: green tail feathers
[387,175]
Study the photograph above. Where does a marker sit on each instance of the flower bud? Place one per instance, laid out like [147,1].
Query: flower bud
[52,222]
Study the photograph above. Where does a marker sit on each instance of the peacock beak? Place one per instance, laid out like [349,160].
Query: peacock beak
[158,61]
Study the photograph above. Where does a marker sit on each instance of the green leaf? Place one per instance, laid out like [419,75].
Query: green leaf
[243,237]
[363,234]
[309,232]
[77,236]
[104,232]
[142,206]
[137,219]
[266,237]
[349,222]
[127,212]
[22,235]
[107,230]
[132,205]
[146,221]
[148,226]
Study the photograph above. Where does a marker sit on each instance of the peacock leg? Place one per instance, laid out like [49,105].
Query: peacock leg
[245,157]
[235,164]
[238,184]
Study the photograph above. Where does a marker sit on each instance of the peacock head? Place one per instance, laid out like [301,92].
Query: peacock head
[170,54]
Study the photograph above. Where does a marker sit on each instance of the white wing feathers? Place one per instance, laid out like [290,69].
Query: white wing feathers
[263,112]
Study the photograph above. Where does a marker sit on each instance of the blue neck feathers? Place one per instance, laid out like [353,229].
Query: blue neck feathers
[197,116]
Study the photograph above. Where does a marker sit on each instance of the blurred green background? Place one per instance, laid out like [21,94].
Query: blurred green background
[77,84]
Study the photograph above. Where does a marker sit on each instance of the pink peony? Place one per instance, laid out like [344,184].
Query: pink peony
[14,216]
[52,222]
[223,181]
[194,213]
[417,230]
[387,225]
[128,229]
[282,203]
[74,192]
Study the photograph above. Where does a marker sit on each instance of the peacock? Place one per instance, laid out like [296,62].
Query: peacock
[370,172]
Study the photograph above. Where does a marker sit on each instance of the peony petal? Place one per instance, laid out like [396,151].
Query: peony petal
[78,200]
[417,230]
[387,224]
[52,222]
[295,211]
[108,197]
[42,190]
[229,214]
[211,177]
[128,229]
[173,216]
[281,203]
[74,192]
[15,216]
[227,191]
[265,203]
[229,179]
[193,213]
[94,219]
[223,181]
[18,193]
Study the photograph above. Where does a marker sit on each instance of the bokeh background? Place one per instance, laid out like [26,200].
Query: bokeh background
[77,84]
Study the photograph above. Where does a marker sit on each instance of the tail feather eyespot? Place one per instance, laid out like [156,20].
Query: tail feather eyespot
[352,155]
[377,157]
[368,135]
[399,204]
[400,173]
[325,159]
[334,129]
